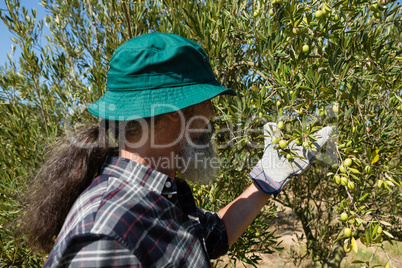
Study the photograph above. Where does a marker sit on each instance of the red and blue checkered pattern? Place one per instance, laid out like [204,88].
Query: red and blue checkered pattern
[133,216]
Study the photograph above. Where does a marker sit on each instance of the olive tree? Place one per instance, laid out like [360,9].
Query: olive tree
[298,63]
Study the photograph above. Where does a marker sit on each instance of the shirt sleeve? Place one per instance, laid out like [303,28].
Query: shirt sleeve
[100,251]
[216,238]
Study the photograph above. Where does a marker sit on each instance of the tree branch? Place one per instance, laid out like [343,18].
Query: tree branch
[130,34]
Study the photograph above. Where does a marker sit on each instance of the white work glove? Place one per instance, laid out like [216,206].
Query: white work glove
[274,170]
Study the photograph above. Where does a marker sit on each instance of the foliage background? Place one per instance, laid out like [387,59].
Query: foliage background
[256,48]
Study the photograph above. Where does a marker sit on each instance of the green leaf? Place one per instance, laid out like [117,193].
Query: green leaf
[385,223]
[358,261]
[398,97]
[355,177]
[394,181]
[294,96]
[368,237]
[374,232]
[354,170]
[315,129]
[364,197]
[354,244]
[281,54]
[350,111]
[368,152]
[375,159]
[340,238]
[276,140]
[388,234]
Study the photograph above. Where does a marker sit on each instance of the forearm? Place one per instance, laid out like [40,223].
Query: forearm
[239,214]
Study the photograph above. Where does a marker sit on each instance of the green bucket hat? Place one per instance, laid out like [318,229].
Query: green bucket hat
[156,73]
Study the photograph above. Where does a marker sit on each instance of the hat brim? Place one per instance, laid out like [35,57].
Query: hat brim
[131,105]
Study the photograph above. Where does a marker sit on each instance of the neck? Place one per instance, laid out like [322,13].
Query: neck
[162,162]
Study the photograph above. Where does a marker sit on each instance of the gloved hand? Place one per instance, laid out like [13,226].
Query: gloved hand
[274,170]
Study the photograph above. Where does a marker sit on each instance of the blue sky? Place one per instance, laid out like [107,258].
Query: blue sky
[5,44]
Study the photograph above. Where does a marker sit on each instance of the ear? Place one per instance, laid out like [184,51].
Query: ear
[174,117]
[168,128]
[168,121]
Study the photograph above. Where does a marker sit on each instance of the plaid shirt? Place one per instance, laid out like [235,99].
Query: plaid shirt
[134,216]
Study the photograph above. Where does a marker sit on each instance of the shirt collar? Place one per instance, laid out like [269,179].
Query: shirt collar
[137,174]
